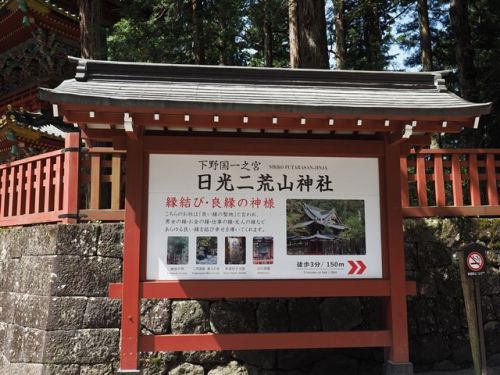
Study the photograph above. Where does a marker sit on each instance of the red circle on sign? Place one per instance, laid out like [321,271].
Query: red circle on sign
[475,261]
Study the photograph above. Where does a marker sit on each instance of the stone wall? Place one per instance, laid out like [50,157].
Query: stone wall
[55,317]
[54,314]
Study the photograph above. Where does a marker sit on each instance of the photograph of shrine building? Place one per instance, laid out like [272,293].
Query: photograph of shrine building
[325,227]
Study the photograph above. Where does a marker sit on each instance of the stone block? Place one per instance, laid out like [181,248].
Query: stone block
[206,358]
[8,302]
[110,242]
[338,365]
[424,314]
[155,316]
[66,313]
[272,316]
[232,317]
[392,368]
[14,347]
[304,315]
[26,369]
[39,240]
[100,369]
[495,301]
[447,315]
[33,345]
[84,276]
[3,275]
[157,363]
[187,369]
[373,315]
[77,239]
[50,369]
[4,237]
[102,312]
[492,337]
[15,243]
[264,359]
[12,278]
[460,350]
[487,309]
[190,317]
[36,275]
[340,314]
[31,311]
[429,349]
[233,368]
[4,327]
[84,346]
[297,359]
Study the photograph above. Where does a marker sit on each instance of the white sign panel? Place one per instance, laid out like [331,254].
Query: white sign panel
[263,217]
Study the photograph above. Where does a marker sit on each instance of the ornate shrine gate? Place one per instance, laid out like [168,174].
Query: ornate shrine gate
[365,121]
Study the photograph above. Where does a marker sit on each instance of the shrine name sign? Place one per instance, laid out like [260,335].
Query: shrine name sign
[263,217]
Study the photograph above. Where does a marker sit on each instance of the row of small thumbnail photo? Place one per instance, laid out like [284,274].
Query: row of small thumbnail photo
[235,250]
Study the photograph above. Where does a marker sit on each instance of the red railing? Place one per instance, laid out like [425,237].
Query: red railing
[32,190]
[39,189]
[102,184]
[67,185]
[451,182]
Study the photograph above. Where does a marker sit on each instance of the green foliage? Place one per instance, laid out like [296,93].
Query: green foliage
[254,32]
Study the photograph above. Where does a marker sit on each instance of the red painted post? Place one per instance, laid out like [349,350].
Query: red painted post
[134,191]
[405,196]
[421,181]
[439,181]
[458,197]
[397,354]
[71,169]
[3,194]
[475,192]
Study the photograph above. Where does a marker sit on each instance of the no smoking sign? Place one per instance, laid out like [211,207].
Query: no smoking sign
[475,259]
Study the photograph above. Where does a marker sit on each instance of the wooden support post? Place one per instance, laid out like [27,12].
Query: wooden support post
[132,256]
[397,357]
[71,181]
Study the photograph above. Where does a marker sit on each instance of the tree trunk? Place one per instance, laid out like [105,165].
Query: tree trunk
[464,53]
[340,38]
[425,35]
[199,33]
[312,34]
[373,37]
[268,36]
[293,33]
[92,36]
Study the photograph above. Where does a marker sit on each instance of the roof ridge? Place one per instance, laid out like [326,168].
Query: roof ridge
[101,70]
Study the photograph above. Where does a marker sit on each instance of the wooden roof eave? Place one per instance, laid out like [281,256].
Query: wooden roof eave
[184,117]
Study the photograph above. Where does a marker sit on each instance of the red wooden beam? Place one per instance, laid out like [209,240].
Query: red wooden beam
[263,146]
[261,288]
[257,341]
[130,322]
[396,311]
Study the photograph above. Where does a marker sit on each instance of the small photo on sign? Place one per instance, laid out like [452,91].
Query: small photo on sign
[235,250]
[206,250]
[325,227]
[263,252]
[177,250]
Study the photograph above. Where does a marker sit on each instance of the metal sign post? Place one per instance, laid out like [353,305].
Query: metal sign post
[472,264]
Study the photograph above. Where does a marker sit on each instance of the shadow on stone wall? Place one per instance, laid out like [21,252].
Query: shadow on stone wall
[55,317]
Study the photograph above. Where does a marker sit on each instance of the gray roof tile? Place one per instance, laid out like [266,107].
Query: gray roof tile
[261,89]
